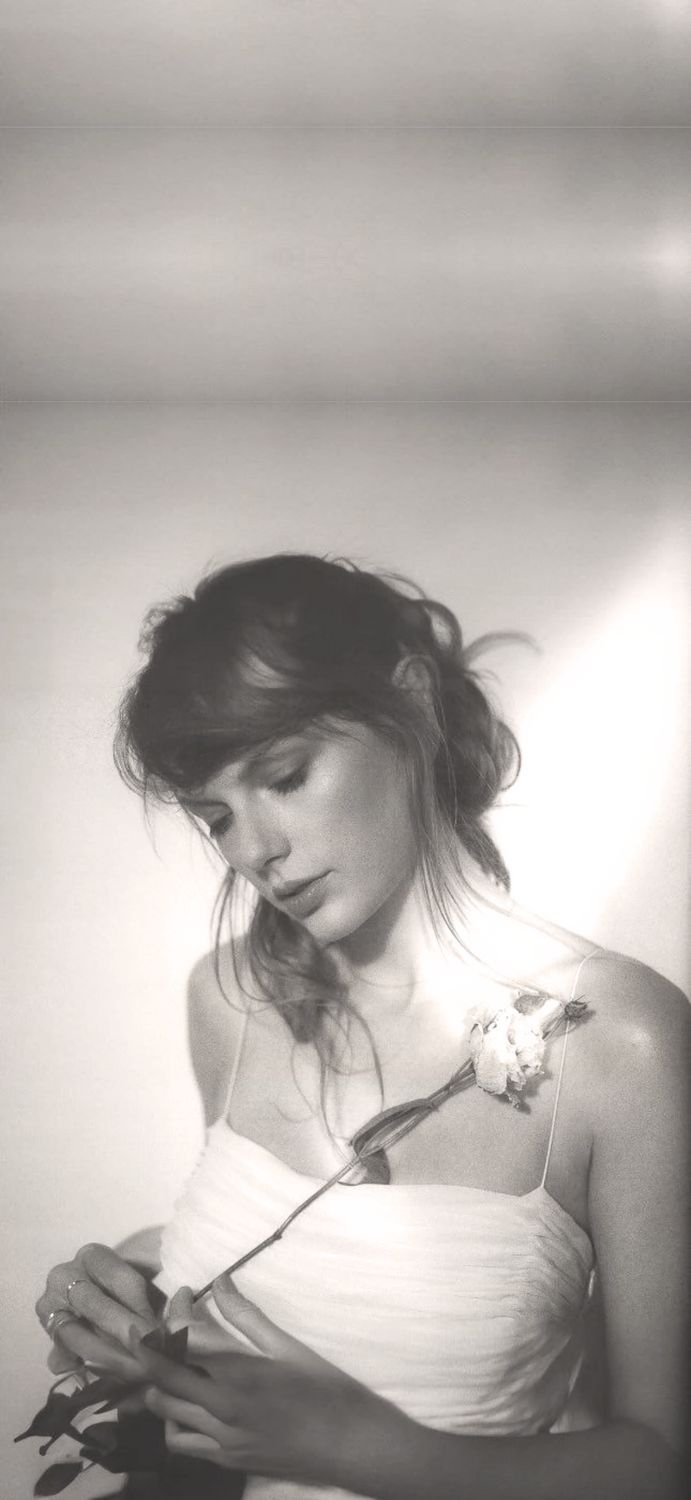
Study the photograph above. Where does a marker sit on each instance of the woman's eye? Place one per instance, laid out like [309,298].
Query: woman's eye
[292,782]
[286,784]
[220,827]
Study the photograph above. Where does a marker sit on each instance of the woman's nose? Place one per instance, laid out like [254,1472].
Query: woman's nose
[258,841]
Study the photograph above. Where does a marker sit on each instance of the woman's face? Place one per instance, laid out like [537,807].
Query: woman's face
[326,808]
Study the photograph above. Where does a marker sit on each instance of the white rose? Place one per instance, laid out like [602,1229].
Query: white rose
[529,1043]
[509,1051]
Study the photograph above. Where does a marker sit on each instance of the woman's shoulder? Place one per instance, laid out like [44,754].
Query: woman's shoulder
[629,1060]
[644,989]
[637,1020]
[640,1022]
[216,1009]
[633,997]
[218,978]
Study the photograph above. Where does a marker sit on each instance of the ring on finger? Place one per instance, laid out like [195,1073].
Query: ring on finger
[75,1282]
[57,1318]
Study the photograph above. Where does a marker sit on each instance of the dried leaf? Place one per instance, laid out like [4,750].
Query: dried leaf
[67,1431]
[119,1395]
[51,1420]
[154,1340]
[140,1445]
[527,1001]
[57,1478]
[107,1389]
[175,1344]
[102,1436]
[574,1009]
[156,1298]
[375,1168]
[385,1129]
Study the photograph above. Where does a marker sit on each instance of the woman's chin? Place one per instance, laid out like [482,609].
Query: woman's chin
[326,929]
[329,926]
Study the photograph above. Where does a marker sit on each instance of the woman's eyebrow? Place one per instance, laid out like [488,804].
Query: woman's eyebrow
[252,768]
[259,759]
[198,803]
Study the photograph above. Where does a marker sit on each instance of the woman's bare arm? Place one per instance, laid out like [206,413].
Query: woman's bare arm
[210,1042]
[213,1018]
[143,1250]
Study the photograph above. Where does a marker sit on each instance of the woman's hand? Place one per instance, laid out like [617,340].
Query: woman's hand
[97,1298]
[289,1413]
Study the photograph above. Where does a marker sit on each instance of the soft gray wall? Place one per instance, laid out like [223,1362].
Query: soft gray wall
[326,62]
[403,279]
[341,263]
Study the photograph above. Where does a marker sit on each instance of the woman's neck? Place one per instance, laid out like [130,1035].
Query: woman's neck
[397,958]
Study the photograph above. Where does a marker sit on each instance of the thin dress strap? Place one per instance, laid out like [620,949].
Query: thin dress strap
[223,1115]
[597,953]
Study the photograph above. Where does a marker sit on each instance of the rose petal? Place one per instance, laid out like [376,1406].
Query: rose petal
[490,1060]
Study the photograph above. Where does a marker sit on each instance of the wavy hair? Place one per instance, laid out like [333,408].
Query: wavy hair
[263,648]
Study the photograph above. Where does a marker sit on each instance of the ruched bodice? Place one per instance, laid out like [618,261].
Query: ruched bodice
[463,1306]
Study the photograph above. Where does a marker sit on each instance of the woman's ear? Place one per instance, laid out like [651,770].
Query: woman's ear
[414,674]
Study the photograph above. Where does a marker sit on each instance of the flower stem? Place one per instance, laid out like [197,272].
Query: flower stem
[271,1239]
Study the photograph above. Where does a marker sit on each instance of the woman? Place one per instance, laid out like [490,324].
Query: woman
[420,1336]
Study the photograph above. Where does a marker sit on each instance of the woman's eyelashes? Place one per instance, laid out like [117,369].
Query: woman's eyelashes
[220,827]
[289,783]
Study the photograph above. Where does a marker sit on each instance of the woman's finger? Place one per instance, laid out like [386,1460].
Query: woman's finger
[266,1336]
[60,1358]
[200,1390]
[210,1335]
[115,1277]
[107,1295]
[97,1351]
[47,1304]
[106,1269]
[191,1444]
[88,1301]
[180,1310]
[186,1412]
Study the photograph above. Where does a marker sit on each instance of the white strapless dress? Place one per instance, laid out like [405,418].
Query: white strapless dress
[465,1307]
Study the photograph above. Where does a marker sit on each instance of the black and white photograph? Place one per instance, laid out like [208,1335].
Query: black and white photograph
[345,467]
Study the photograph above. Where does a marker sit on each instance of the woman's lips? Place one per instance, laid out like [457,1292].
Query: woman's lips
[306,900]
